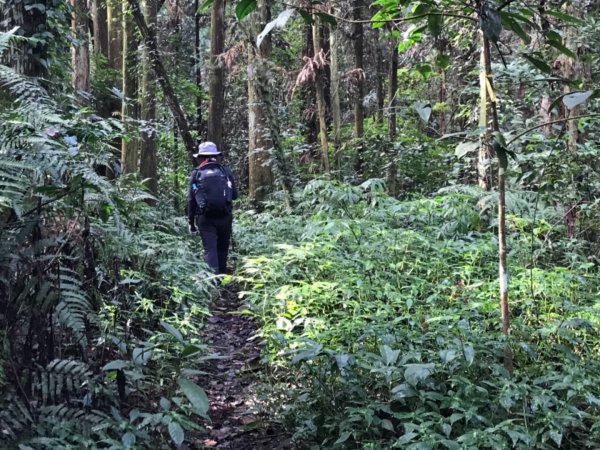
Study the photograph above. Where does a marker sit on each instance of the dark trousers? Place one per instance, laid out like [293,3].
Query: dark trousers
[216,234]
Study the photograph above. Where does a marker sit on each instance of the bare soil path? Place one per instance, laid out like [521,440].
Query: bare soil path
[238,419]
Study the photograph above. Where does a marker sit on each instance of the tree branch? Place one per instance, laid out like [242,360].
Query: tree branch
[161,74]
[528,130]
[392,21]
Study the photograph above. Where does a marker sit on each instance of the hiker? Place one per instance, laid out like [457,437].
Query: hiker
[212,189]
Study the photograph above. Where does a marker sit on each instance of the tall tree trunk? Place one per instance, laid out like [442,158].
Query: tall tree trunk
[105,103]
[217,74]
[392,88]
[148,168]
[359,113]
[442,99]
[129,147]
[320,93]
[163,79]
[336,115]
[379,86]
[100,21]
[484,174]
[114,13]
[309,98]
[493,126]
[80,58]
[572,69]
[106,16]
[175,160]
[197,67]
[260,144]
[358,37]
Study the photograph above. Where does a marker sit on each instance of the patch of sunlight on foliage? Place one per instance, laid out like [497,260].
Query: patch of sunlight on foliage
[383,319]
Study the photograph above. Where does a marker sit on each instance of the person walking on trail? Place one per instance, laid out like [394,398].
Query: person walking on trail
[209,201]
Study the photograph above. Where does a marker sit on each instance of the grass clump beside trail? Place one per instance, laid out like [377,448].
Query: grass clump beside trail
[382,323]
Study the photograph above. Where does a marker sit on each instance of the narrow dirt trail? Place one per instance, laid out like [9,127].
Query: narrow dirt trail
[237,415]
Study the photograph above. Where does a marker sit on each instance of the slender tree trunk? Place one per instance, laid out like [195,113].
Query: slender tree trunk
[162,78]
[148,167]
[442,99]
[494,126]
[379,86]
[392,88]
[176,186]
[80,58]
[320,92]
[105,103]
[359,113]
[217,74]
[336,115]
[129,146]
[484,177]
[358,37]
[197,68]
[260,144]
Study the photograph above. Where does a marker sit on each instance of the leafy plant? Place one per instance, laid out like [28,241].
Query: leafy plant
[381,323]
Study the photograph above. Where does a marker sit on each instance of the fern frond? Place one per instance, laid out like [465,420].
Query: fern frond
[14,416]
[14,184]
[74,308]
[27,92]
[62,380]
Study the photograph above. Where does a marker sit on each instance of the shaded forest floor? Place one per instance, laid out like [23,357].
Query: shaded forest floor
[238,420]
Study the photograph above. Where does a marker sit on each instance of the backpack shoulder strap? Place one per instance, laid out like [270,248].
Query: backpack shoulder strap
[195,174]
[211,163]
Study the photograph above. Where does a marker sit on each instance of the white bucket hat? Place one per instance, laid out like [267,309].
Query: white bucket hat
[207,149]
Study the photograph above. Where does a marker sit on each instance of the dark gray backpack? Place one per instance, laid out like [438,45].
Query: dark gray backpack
[213,190]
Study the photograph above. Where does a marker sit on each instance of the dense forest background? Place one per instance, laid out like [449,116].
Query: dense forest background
[418,238]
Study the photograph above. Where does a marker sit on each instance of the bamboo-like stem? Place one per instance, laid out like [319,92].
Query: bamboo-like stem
[502,166]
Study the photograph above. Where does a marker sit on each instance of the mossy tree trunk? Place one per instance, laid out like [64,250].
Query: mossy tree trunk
[26,57]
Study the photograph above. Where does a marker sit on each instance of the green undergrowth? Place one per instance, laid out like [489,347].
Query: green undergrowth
[382,327]
[102,297]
